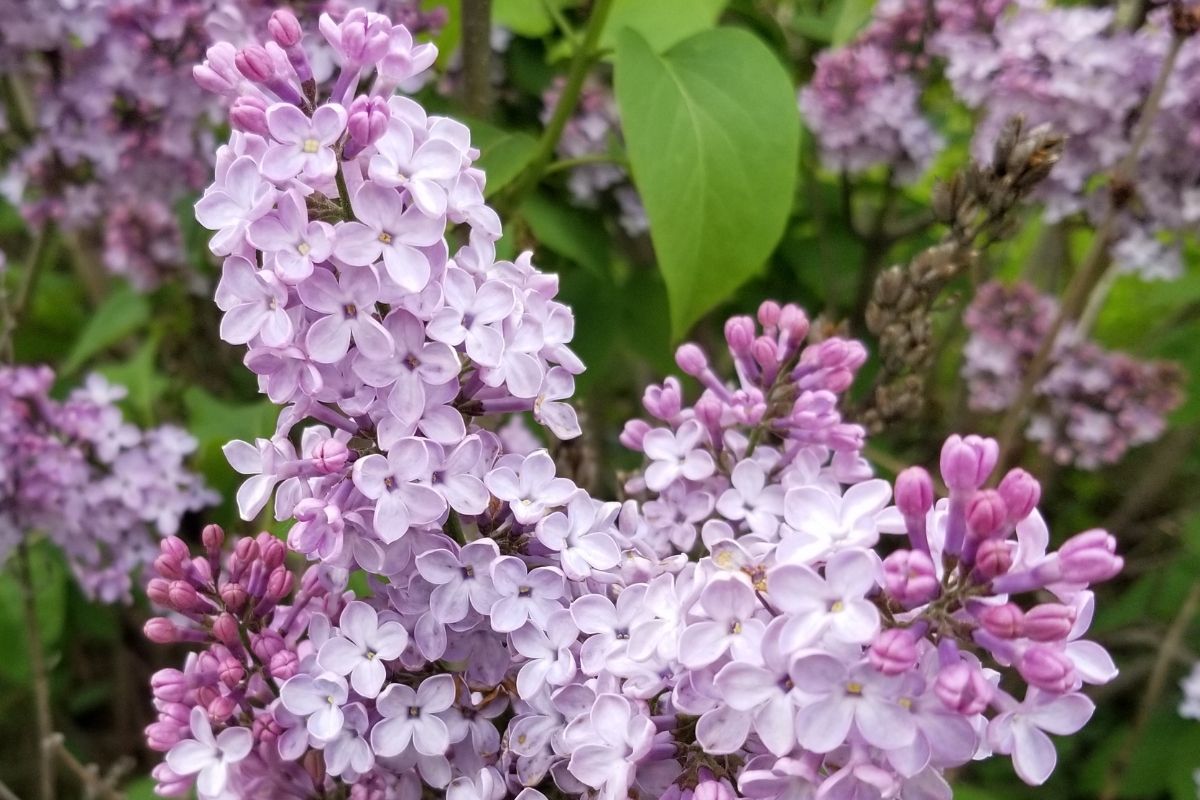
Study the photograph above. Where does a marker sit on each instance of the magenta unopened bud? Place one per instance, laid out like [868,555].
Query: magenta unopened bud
[221,708]
[279,584]
[266,644]
[914,492]
[910,578]
[765,353]
[1006,621]
[161,630]
[284,28]
[213,537]
[1049,622]
[330,456]
[894,651]
[634,433]
[368,119]
[1048,668]
[768,314]
[231,672]
[169,684]
[966,462]
[793,322]
[739,334]
[1089,557]
[246,549]
[159,591]
[255,63]
[182,596]
[234,596]
[963,689]
[162,736]
[249,114]
[690,359]
[283,664]
[987,514]
[1021,492]
[663,402]
[273,551]
[993,559]
[713,790]
[226,630]
[210,80]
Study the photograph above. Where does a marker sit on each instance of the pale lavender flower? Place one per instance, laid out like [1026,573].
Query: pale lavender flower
[412,717]
[361,647]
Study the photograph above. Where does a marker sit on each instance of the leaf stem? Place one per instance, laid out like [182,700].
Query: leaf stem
[583,161]
[43,721]
[478,96]
[567,102]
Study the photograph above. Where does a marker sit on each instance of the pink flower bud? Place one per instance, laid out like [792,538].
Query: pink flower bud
[987,514]
[159,591]
[368,119]
[266,644]
[234,597]
[894,651]
[769,313]
[739,334]
[1021,492]
[279,584]
[794,323]
[1089,557]
[255,63]
[210,80]
[226,630]
[249,114]
[181,596]
[765,353]
[161,630]
[221,708]
[634,433]
[162,736]
[993,559]
[283,665]
[169,684]
[663,402]
[285,28]
[231,672]
[910,578]
[690,359]
[1006,621]
[967,462]
[213,537]
[963,688]
[1047,668]
[272,551]
[914,492]
[1049,622]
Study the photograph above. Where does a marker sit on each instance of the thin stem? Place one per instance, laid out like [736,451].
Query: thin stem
[1091,271]
[564,27]
[88,774]
[41,254]
[583,161]
[43,720]
[7,793]
[344,194]
[1154,689]
[477,57]
[876,243]
[567,102]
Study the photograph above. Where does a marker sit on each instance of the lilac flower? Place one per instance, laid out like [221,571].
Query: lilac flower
[835,604]
[752,499]
[731,625]
[401,502]
[349,754]
[557,385]
[470,315]
[422,169]
[767,690]
[463,580]
[580,536]
[856,696]
[347,304]
[676,455]
[254,304]
[621,738]
[229,208]
[1021,731]
[826,523]
[209,757]
[385,228]
[524,594]
[318,699]
[547,646]
[294,243]
[531,489]
[362,647]
[415,364]
[412,717]
[303,146]
[265,461]
[608,626]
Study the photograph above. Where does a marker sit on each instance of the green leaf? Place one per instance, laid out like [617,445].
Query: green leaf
[140,376]
[853,16]
[568,231]
[661,23]
[713,133]
[525,17]
[502,154]
[122,314]
[50,600]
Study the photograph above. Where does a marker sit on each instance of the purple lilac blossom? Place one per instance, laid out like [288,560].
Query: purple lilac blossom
[514,637]
[98,487]
[1093,404]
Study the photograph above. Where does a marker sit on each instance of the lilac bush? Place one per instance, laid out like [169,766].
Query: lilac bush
[758,617]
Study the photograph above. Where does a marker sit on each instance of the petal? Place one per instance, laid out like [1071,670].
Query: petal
[407,266]
[703,643]
[436,694]
[884,723]
[357,244]
[1033,754]
[745,686]
[431,737]
[723,730]
[328,340]
[824,725]
[188,757]
[340,655]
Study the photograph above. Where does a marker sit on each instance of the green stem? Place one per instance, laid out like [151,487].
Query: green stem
[567,102]
[583,161]
[344,194]
[43,721]
[41,255]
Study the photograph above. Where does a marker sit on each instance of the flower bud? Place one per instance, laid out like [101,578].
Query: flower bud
[272,551]
[1089,557]
[987,514]
[769,313]
[794,323]
[993,559]
[213,537]
[1006,621]
[266,644]
[765,353]
[690,359]
[914,492]
[159,591]
[162,736]
[963,689]
[249,114]
[234,597]
[181,596]
[283,664]
[161,630]
[663,402]
[967,462]
[739,334]
[1049,622]
[284,28]
[1021,492]
[910,578]
[1047,668]
[255,63]
[634,433]
[279,584]
[231,671]
[221,708]
[226,630]
[368,120]
[893,652]
[169,684]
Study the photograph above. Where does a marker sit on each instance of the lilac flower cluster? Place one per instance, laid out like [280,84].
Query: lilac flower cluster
[1075,69]
[119,133]
[1094,404]
[511,635]
[101,489]
[594,132]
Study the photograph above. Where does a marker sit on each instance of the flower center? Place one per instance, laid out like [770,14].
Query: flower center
[311,145]
[303,248]
[836,607]
[385,237]
[350,310]
[854,687]
[524,591]
[414,712]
